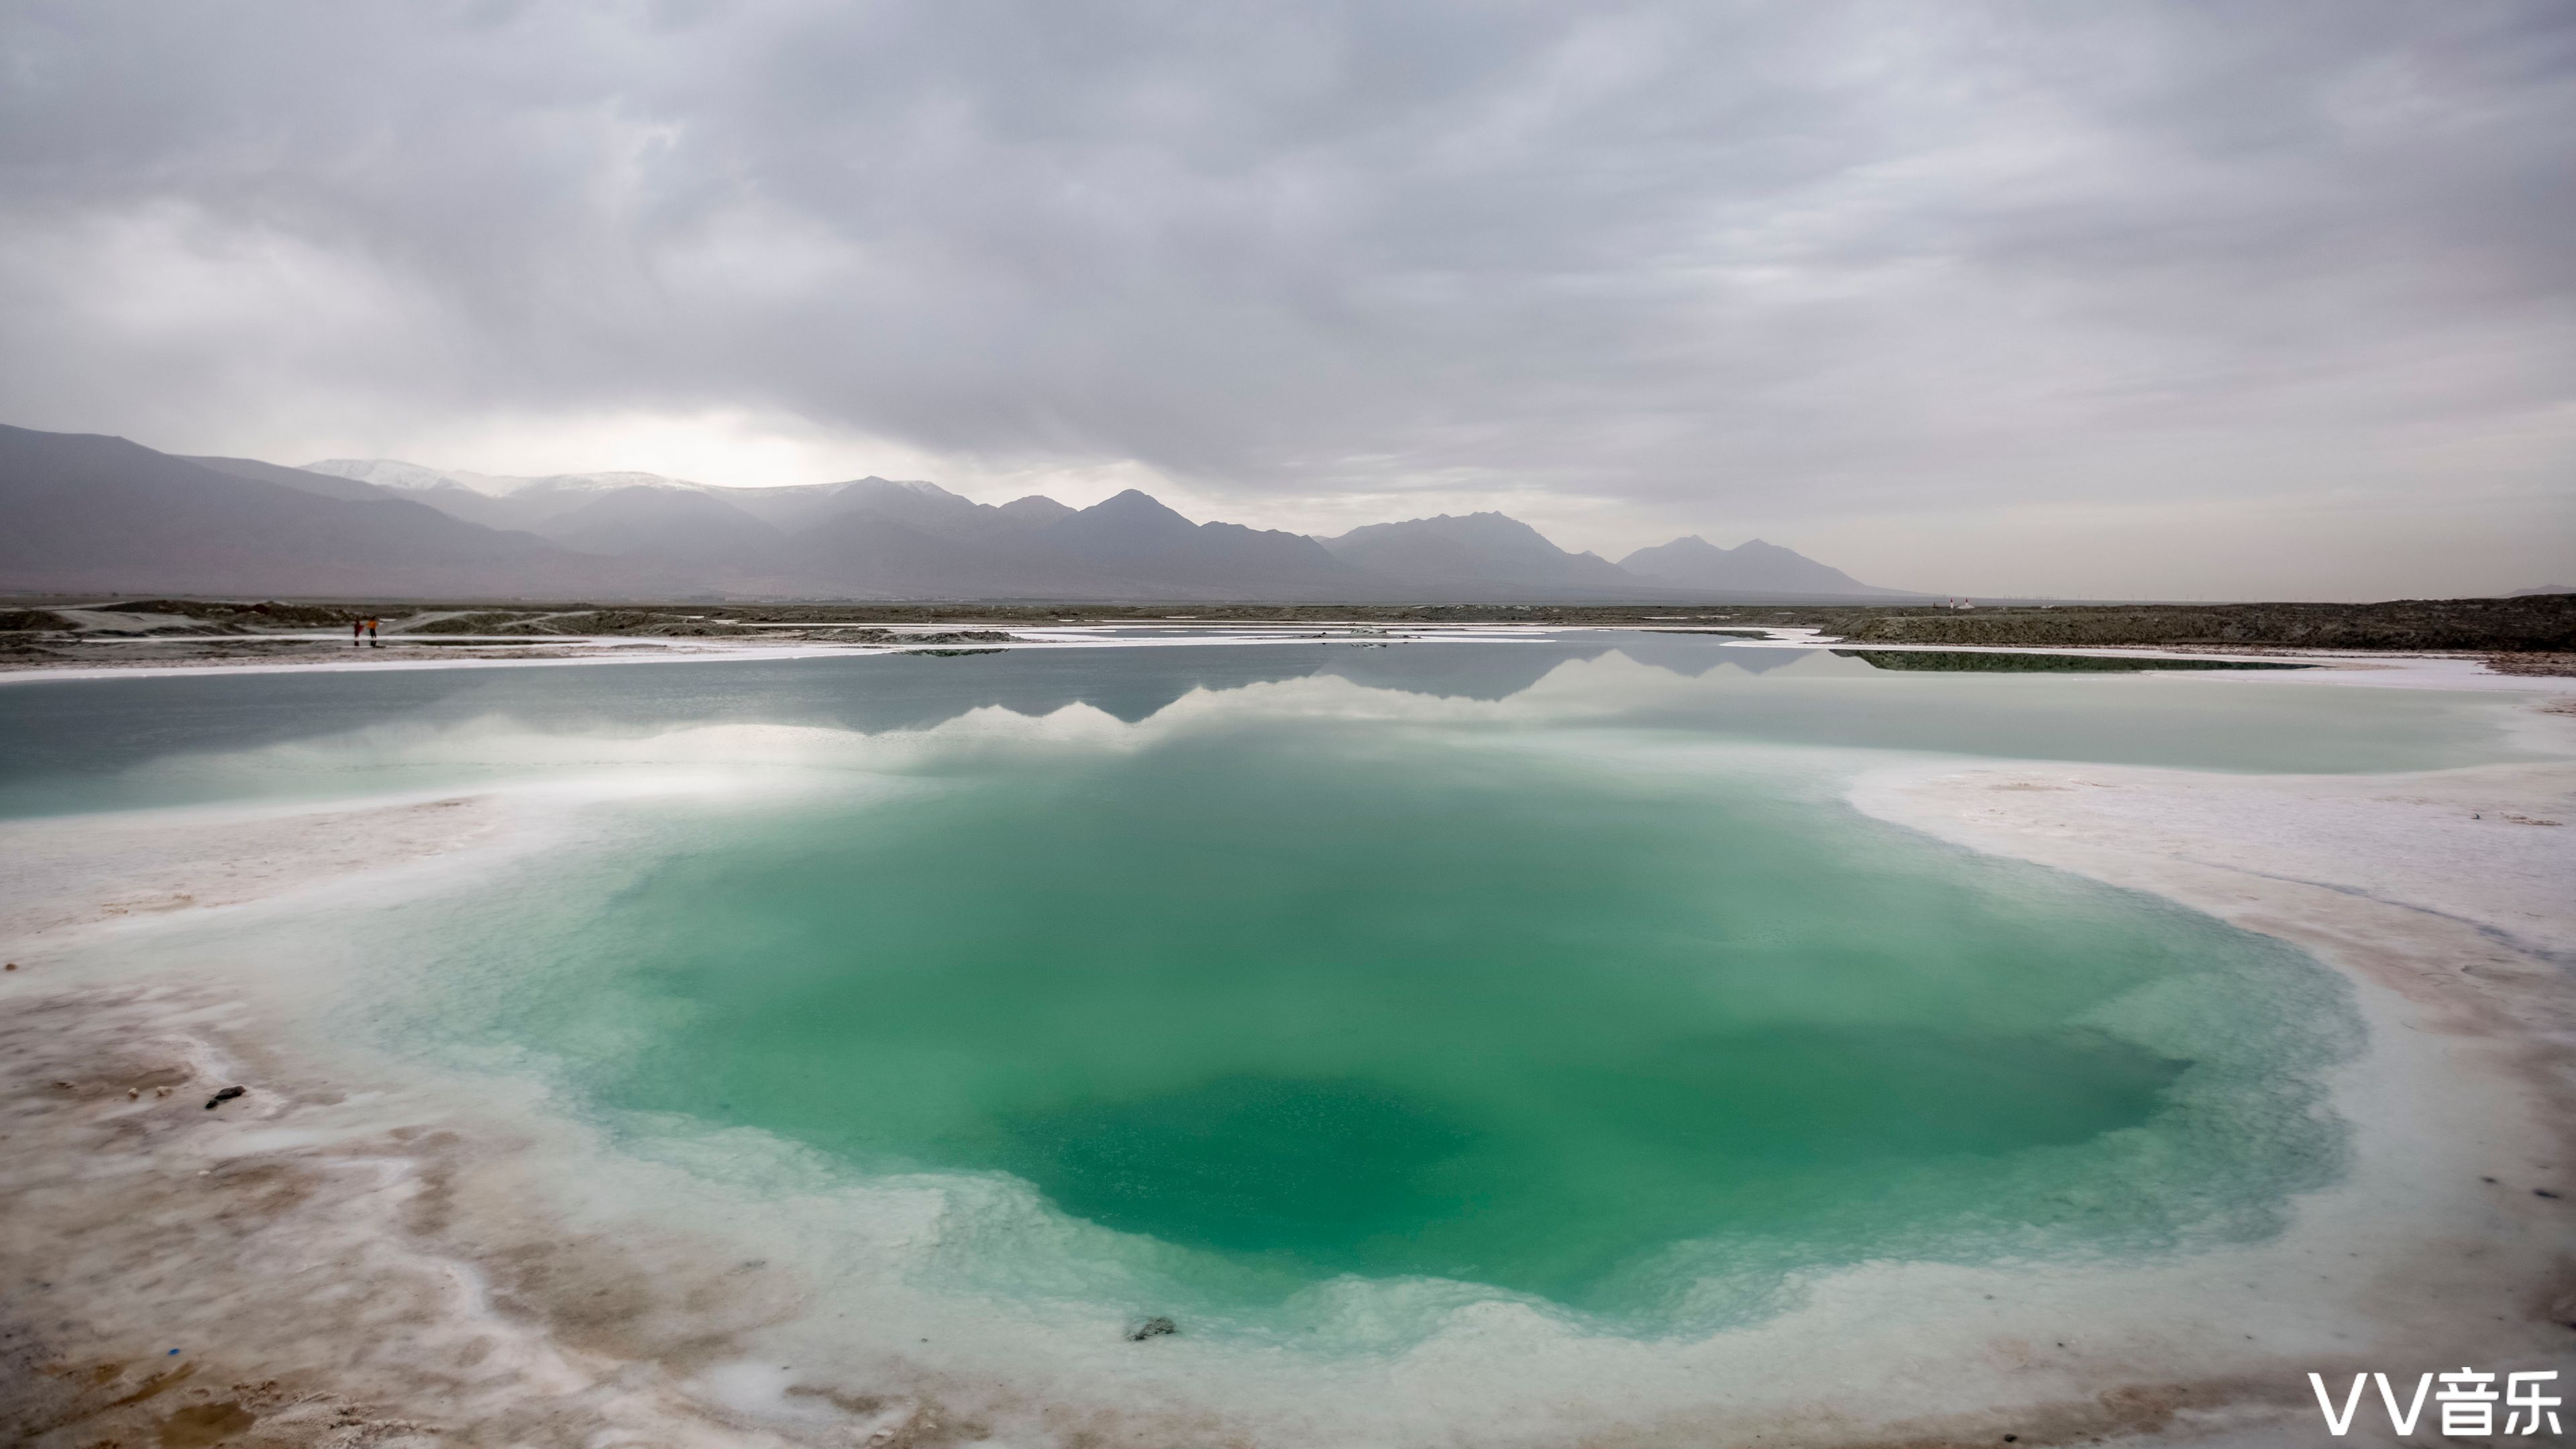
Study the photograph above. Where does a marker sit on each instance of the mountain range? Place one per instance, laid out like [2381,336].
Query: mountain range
[94,514]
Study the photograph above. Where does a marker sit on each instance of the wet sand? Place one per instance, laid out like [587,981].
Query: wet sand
[347,1258]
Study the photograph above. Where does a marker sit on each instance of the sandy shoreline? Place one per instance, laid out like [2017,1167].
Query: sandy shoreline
[345,1260]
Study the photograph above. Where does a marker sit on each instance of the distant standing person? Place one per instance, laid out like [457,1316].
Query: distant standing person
[357,631]
[371,635]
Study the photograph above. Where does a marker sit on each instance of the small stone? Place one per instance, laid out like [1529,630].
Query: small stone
[226,1095]
[1155,1327]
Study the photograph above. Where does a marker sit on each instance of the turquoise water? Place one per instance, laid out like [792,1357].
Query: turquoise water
[1316,1002]
[1541,970]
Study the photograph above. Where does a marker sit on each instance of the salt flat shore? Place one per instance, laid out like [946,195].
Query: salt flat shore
[2445,898]
[2459,640]
[350,1256]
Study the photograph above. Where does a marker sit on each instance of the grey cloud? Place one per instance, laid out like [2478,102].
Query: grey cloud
[1689,258]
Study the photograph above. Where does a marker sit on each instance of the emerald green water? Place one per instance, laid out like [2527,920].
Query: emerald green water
[1323,1006]
[1596,995]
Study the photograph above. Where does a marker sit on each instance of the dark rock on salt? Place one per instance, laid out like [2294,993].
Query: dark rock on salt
[226,1095]
[1154,1327]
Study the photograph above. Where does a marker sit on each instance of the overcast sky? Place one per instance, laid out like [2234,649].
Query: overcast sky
[2169,300]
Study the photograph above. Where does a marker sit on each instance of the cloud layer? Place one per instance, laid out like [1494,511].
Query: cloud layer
[1983,297]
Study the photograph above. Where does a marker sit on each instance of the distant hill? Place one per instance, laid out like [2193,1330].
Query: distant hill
[1127,547]
[91,513]
[98,514]
[2543,590]
[1482,555]
[490,499]
[1135,536]
[295,478]
[669,525]
[1754,567]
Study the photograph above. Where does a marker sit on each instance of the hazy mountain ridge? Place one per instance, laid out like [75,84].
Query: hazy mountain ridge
[88,512]
[414,477]
[1693,562]
[101,513]
[670,525]
[1478,553]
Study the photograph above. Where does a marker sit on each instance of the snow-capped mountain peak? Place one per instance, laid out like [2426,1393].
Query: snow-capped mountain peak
[394,473]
